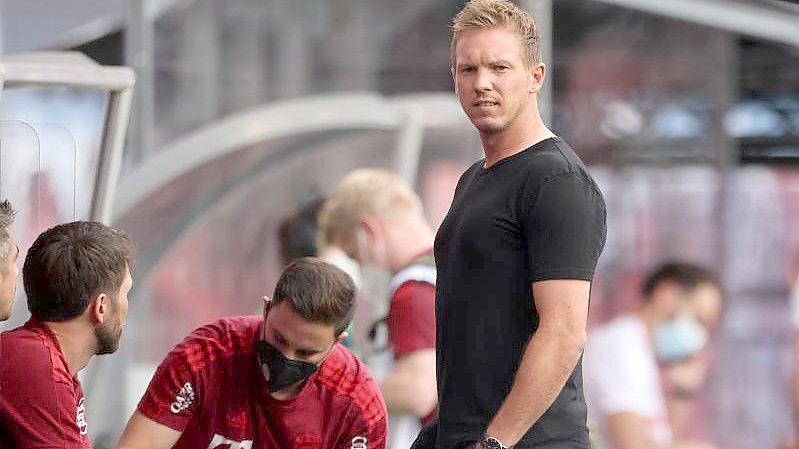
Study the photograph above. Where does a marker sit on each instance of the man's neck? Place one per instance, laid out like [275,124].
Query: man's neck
[289,392]
[418,239]
[525,131]
[76,342]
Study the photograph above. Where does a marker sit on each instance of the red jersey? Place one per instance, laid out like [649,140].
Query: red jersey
[41,404]
[210,388]
[411,319]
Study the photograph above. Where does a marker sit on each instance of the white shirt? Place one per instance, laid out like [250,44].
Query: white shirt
[620,374]
[794,303]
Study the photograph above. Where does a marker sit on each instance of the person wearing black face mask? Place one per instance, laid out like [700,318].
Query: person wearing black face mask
[281,381]
[279,370]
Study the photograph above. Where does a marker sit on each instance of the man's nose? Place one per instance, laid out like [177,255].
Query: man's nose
[483,80]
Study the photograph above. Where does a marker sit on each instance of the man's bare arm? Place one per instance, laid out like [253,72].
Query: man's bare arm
[144,433]
[549,359]
[411,386]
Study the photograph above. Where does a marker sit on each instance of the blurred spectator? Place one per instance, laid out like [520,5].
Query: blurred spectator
[297,233]
[379,221]
[793,280]
[624,386]
[297,237]
[9,252]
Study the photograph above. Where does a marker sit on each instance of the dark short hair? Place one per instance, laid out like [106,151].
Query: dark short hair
[6,219]
[70,264]
[297,233]
[686,275]
[317,291]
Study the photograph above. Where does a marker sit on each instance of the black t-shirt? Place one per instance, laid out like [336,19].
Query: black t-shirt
[533,216]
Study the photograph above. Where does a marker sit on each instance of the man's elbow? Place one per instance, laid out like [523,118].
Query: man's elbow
[570,339]
[424,401]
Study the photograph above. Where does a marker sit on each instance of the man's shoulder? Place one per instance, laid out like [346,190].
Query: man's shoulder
[622,337]
[229,331]
[349,379]
[346,374]
[29,354]
[219,339]
[551,158]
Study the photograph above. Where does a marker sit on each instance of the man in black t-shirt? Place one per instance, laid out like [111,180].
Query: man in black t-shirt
[515,254]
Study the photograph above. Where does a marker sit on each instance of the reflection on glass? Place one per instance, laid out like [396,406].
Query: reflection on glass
[78,112]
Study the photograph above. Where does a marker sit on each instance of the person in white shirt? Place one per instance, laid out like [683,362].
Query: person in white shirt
[621,363]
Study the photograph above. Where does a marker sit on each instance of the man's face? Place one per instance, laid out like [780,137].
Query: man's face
[295,337]
[110,332]
[705,305]
[9,271]
[702,303]
[493,85]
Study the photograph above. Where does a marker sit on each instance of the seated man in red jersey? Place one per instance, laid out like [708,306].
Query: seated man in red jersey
[77,279]
[281,381]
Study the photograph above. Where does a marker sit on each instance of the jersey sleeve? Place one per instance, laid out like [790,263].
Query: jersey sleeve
[565,229]
[411,318]
[175,390]
[368,420]
[40,411]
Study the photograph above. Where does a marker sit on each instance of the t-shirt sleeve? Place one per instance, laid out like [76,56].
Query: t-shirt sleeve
[411,318]
[41,411]
[173,393]
[565,229]
[368,420]
[618,378]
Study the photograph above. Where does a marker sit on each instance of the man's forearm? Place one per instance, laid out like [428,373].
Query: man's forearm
[398,392]
[548,361]
[405,392]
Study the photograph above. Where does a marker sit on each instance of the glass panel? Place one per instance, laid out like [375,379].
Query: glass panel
[81,113]
[37,174]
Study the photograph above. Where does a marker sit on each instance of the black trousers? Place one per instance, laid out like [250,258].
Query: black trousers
[427,438]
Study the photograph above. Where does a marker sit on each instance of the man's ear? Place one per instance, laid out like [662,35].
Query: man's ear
[99,308]
[373,227]
[267,305]
[537,75]
[342,336]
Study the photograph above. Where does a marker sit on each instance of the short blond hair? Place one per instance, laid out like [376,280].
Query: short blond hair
[365,191]
[486,14]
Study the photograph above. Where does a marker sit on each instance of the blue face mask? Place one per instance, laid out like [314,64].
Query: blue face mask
[679,339]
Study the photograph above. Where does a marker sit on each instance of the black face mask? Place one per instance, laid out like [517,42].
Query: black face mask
[279,370]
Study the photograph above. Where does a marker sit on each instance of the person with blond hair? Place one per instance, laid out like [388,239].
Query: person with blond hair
[515,254]
[378,220]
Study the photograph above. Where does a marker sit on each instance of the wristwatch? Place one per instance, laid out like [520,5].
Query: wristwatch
[491,443]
